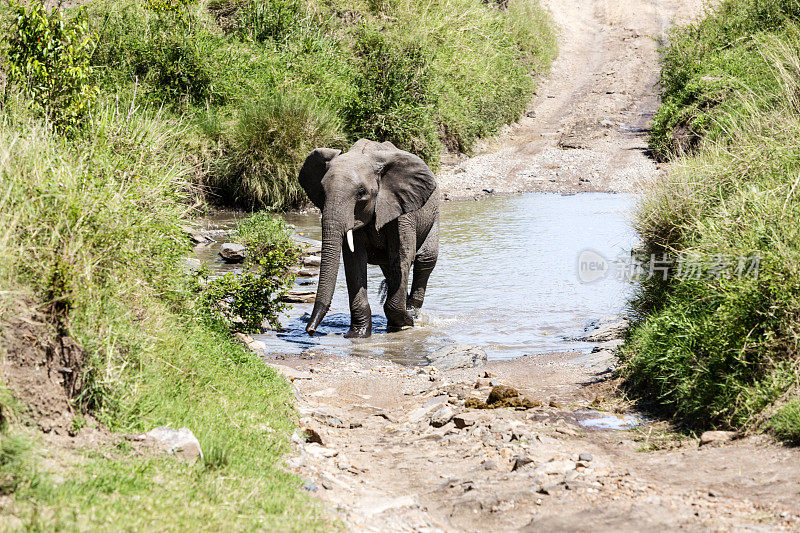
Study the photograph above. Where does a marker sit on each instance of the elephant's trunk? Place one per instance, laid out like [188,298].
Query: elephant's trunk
[334,227]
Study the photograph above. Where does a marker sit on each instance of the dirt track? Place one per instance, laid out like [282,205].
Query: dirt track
[386,464]
[586,129]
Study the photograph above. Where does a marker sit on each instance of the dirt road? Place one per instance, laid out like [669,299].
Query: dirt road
[585,130]
[393,448]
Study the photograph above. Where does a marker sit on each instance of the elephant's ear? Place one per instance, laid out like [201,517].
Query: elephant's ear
[312,171]
[405,185]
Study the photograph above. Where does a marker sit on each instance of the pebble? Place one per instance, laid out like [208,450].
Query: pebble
[442,416]
[585,457]
[464,420]
[520,462]
[716,437]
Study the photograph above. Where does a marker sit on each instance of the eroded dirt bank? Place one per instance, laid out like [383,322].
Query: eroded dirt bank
[393,448]
[586,128]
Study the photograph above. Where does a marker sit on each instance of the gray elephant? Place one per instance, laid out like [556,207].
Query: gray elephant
[384,203]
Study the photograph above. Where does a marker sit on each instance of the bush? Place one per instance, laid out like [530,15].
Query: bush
[265,148]
[785,424]
[717,350]
[393,100]
[421,75]
[706,64]
[244,301]
[49,56]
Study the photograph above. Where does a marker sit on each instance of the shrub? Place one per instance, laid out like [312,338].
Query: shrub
[785,424]
[244,301]
[393,101]
[265,148]
[49,56]
[717,350]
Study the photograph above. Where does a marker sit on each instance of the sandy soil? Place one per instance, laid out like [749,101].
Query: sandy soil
[586,128]
[377,457]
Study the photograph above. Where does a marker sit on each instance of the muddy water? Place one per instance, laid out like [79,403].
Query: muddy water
[506,280]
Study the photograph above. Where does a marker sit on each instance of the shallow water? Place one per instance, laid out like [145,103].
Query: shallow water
[506,280]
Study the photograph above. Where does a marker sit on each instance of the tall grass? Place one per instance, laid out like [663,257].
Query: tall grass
[424,76]
[722,351]
[91,229]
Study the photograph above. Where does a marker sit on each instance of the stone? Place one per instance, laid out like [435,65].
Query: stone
[180,442]
[520,462]
[585,457]
[317,450]
[553,488]
[232,252]
[308,272]
[457,356]
[329,419]
[300,296]
[309,486]
[442,416]
[482,383]
[191,265]
[555,467]
[608,331]
[312,261]
[500,393]
[612,346]
[464,420]
[716,437]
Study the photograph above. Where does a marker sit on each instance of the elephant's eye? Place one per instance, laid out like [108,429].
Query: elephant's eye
[362,192]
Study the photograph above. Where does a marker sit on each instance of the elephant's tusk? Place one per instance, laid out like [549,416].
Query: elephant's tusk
[350,241]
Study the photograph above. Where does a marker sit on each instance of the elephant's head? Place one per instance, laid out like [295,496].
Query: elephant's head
[372,183]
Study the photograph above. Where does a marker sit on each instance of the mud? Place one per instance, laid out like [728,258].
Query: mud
[41,367]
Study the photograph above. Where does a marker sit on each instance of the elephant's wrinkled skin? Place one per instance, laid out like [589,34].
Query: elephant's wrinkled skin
[388,198]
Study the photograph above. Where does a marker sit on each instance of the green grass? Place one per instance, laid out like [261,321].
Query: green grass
[92,232]
[268,80]
[719,351]
[785,424]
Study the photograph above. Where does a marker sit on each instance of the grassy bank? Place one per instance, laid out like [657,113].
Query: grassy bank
[91,229]
[266,81]
[717,343]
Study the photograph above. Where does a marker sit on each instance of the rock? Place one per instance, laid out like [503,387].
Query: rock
[329,419]
[308,272]
[464,420]
[555,467]
[521,461]
[500,393]
[553,488]
[191,265]
[608,331]
[500,426]
[232,252]
[482,383]
[585,457]
[488,464]
[300,296]
[320,452]
[309,486]
[611,345]
[716,437]
[312,261]
[442,416]
[457,356]
[295,462]
[556,404]
[181,442]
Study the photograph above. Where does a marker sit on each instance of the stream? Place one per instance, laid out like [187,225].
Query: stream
[507,280]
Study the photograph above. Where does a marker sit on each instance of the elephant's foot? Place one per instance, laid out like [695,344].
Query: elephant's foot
[397,320]
[413,307]
[358,332]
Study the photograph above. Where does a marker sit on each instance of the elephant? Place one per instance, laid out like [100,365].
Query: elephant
[384,202]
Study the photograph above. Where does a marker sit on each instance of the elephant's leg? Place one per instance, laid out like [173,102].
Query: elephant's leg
[401,245]
[355,269]
[424,263]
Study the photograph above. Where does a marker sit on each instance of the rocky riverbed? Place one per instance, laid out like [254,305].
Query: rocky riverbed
[396,448]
